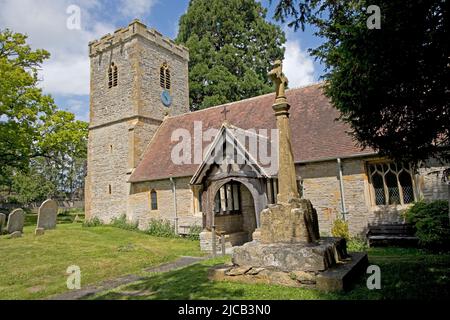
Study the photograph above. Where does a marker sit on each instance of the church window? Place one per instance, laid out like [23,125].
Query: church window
[392,183]
[164,76]
[113,75]
[154,200]
[109,189]
[228,199]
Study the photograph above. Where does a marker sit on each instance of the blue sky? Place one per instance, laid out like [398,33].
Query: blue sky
[66,74]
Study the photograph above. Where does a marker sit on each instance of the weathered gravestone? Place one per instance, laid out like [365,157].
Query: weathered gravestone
[16,220]
[2,222]
[47,215]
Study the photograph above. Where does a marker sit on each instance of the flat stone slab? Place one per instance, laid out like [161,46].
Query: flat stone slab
[339,278]
[318,256]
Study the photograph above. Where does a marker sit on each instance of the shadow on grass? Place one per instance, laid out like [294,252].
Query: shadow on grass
[187,283]
[404,275]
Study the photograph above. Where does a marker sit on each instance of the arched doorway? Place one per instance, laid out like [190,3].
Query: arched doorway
[234,212]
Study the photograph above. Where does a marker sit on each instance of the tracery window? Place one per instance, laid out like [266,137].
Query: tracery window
[392,183]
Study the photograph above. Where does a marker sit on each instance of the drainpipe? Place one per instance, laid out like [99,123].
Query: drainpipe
[174,190]
[341,188]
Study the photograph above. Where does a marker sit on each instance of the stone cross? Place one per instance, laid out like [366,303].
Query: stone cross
[280,80]
[287,177]
[225,111]
[16,220]
[47,214]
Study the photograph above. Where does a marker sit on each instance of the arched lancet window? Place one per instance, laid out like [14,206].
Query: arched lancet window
[164,76]
[113,75]
[154,200]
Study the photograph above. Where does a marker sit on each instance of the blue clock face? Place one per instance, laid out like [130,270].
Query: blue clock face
[166,99]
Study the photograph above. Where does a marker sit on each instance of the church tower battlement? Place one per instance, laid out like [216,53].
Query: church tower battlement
[137,77]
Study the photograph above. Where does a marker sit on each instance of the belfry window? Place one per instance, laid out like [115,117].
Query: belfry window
[164,76]
[228,199]
[113,75]
[392,183]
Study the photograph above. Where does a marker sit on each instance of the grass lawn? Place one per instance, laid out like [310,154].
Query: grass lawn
[405,274]
[35,267]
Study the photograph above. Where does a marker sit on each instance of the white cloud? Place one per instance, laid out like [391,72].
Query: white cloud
[136,8]
[44,21]
[297,65]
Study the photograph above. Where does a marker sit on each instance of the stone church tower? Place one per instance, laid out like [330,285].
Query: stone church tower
[137,78]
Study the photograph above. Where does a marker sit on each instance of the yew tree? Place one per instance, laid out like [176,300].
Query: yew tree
[231,46]
[390,82]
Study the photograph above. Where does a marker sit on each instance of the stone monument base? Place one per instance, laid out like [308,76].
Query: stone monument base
[339,277]
[300,256]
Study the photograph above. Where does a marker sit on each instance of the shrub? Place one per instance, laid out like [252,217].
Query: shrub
[431,223]
[160,228]
[356,244]
[340,229]
[94,222]
[122,223]
[194,232]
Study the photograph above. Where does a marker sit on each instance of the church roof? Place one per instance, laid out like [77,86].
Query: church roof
[316,134]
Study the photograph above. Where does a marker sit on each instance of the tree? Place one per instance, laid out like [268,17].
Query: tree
[38,142]
[390,84]
[231,47]
[22,105]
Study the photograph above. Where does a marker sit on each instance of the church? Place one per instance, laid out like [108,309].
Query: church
[149,157]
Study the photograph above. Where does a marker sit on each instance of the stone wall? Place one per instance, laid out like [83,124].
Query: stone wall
[321,186]
[431,185]
[139,203]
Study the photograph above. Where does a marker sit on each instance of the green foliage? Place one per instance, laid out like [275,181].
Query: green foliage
[30,187]
[123,223]
[161,228]
[194,232]
[355,244]
[431,222]
[340,229]
[94,222]
[390,84]
[38,142]
[231,46]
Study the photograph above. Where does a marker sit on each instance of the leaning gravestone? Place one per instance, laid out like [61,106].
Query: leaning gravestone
[2,222]
[16,220]
[47,215]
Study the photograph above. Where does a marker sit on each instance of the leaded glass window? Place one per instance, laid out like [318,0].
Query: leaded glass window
[392,183]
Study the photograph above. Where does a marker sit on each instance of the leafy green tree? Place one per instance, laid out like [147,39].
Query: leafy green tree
[41,147]
[22,105]
[390,84]
[231,47]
